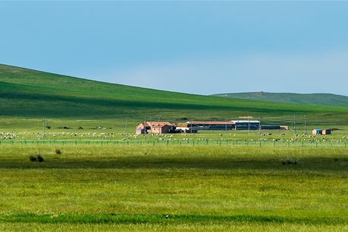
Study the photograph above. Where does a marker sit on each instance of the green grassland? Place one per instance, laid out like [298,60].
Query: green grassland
[97,176]
[173,188]
[29,94]
[307,99]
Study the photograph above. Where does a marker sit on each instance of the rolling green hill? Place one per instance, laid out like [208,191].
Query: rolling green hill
[308,99]
[34,94]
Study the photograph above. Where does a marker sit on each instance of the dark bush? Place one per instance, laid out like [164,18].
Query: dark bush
[32,158]
[40,158]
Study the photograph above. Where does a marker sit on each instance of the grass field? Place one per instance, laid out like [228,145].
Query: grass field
[173,188]
[307,99]
[95,175]
[30,94]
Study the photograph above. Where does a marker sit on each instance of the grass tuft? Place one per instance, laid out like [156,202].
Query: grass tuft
[58,151]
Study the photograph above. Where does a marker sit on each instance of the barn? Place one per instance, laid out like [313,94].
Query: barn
[155,127]
[142,128]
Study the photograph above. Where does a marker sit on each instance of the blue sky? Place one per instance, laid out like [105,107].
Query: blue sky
[198,47]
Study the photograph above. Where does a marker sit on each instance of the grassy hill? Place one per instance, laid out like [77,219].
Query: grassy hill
[308,99]
[34,94]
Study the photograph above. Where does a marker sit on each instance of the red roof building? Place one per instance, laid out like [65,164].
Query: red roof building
[155,127]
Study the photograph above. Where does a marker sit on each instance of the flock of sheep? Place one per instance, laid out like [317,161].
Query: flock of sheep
[124,136]
[8,135]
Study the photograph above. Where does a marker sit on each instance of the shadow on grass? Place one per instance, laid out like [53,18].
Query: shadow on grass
[160,219]
[40,104]
[152,162]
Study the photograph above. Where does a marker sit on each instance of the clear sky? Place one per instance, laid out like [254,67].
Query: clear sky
[201,47]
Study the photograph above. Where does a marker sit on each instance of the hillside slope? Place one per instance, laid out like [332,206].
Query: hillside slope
[295,98]
[30,93]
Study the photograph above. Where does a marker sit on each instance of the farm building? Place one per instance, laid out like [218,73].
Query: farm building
[326,132]
[155,127]
[206,125]
[184,129]
[317,131]
[274,127]
[228,125]
[194,126]
[246,124]
[321,132]
[255,125]
[142,128]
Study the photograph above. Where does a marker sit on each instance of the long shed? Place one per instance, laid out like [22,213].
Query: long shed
[208,125]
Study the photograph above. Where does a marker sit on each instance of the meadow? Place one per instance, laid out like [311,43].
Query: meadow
[103,188]
[69,161]
[29,95]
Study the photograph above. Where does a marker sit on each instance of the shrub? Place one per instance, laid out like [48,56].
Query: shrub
[289,161]
[32,158]
[37,158]
[40,158]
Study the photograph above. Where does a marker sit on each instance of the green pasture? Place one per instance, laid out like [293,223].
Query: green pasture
[307,99]
[36,131]
[70,161]
[104,188]
[30,95]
